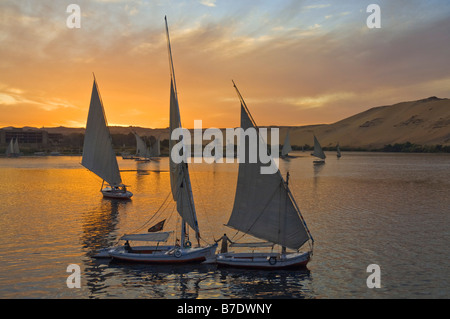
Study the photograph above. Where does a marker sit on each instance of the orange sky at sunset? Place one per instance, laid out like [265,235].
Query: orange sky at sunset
[295,62]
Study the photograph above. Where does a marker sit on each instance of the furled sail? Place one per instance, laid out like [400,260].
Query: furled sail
[286,145]
[318,152]
[98,153]
[263,205]
[179,172]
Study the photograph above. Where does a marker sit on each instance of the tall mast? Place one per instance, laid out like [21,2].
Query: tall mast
[182,166]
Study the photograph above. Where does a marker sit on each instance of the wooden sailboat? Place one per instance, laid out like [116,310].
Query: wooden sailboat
[98,154]
[265,208]
[145,153]
[142,150]
[13,148]
[318,152]
[286,146]
[182,194]
[155,148]
[338,151]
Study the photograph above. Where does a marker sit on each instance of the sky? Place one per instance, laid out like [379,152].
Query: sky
[296,62]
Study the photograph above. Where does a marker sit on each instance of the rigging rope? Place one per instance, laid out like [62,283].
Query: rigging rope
[153,216]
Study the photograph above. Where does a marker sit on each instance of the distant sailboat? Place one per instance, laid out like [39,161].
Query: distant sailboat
[318,152]
[16,148]
[98,154]
[265,208]
[155,148]
[338,151]
[286,146]
[13,148]
[10,149]
[182,194]
[142,150]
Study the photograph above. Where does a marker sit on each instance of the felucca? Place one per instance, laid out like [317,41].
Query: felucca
[318,152]
[181,190]
[98,154]
[13,148]
[286,146]
[265,208]
[142,150]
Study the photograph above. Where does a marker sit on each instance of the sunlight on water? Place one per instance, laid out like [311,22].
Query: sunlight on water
[365,208]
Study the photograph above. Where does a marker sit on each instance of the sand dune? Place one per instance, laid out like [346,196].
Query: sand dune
[424,122]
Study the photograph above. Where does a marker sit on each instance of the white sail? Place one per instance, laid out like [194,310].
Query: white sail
[10,148]
[286,145]
[179,172]
[141,148]
[98,153]
[16,147]
[155,148]
[318,152]
[263,205]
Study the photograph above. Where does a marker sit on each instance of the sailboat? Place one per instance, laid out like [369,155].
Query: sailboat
[338,151]
[318,152]
[13,148]
[182,194]
[16,152]
[265,208]
[155,148]
[10,149]
[142,151]
[286,146]
[98,154]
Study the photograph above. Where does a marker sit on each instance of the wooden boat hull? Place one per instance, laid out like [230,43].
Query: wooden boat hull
[108,193]
[268,261]
[105,252]
[175,255]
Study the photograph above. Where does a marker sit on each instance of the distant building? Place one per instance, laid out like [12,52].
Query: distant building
[28,136]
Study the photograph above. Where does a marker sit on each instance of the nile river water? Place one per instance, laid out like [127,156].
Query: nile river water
[392,210]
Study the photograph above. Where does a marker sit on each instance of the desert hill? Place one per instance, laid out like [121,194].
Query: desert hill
[424,122]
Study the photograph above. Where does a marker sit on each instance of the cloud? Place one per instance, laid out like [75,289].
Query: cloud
[310,64]
[208,3]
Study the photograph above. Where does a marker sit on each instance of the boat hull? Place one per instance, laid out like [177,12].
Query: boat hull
[268,261]
[108,193]
[175,255]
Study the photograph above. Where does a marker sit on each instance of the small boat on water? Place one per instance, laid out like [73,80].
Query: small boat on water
[98,153]
[142,150]
[265,208]
[13,149]
[286,147]
[338,151]
[318,152]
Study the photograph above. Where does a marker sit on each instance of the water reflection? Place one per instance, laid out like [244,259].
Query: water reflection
[99,225]
[99,231]
[198,281]
[265,284]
